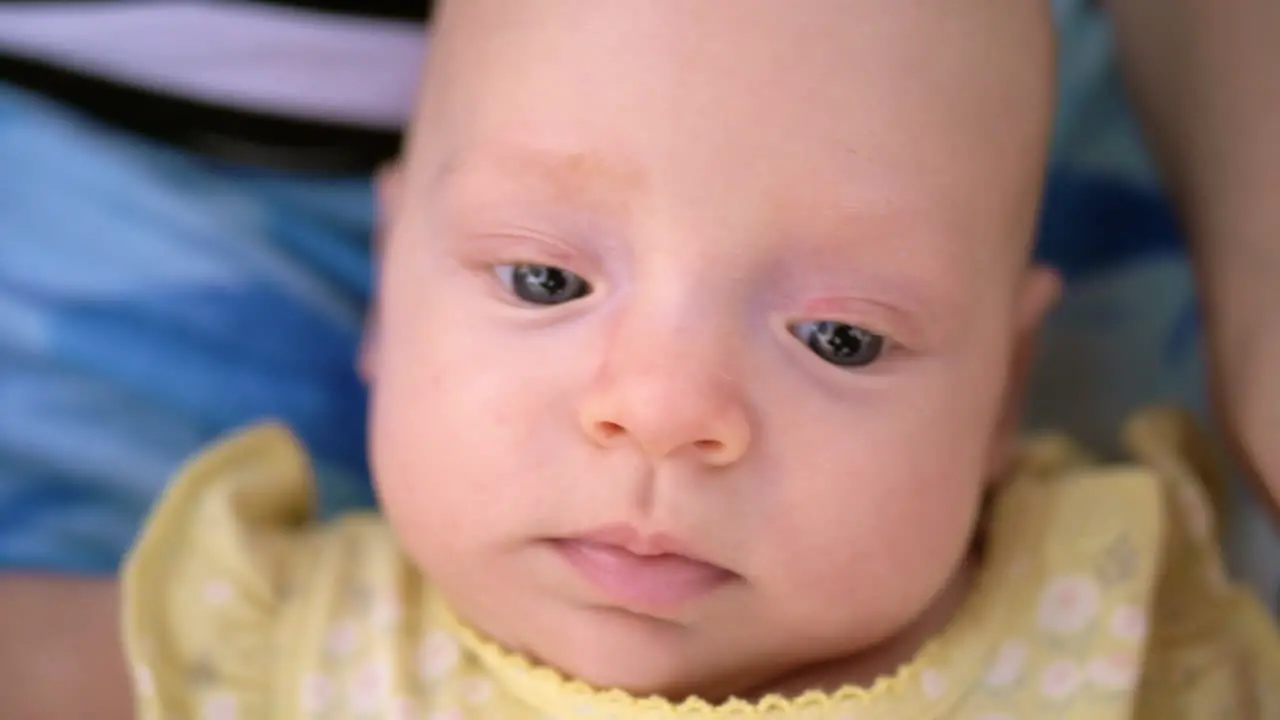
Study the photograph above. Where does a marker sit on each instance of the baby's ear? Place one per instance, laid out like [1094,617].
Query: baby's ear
[388,184]
[1037,296]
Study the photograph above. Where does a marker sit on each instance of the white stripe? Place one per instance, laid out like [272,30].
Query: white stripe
[289,61]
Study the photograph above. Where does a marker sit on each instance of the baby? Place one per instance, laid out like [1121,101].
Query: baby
[695,381]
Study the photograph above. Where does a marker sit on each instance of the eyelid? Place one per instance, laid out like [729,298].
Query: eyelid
[491,257]
[890,341]
[865,327]
[493,250]
[897,327]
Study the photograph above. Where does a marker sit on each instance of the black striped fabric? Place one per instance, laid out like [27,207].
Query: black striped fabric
[232,134]
[409,10]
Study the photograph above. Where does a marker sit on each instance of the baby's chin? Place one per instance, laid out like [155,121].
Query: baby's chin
[643,657]
[609,649]
[675,679]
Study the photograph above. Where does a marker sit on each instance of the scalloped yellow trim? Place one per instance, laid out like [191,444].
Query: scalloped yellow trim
[960,652]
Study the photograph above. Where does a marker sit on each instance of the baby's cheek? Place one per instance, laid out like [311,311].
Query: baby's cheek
[453,440]
[933,535]
[457,502]
[893,556]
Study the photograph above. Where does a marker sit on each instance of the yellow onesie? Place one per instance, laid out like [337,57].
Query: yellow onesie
[1102,596]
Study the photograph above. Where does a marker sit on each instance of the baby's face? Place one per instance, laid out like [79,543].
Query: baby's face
[697,325]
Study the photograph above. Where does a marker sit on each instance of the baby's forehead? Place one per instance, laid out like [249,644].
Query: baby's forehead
[935,70]
[817,204]
[782,128]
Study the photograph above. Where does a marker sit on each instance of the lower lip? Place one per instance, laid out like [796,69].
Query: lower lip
[637,582]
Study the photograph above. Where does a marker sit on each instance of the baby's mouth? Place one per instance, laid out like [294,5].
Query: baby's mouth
[647,575]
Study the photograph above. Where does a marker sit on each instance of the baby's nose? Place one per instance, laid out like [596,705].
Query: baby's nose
[668,411]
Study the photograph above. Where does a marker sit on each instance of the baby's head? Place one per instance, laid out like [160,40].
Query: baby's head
[700,325]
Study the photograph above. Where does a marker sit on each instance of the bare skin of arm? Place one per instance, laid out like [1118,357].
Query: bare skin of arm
[60,651]
[1203,74]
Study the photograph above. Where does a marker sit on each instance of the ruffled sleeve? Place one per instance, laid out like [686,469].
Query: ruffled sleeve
[207,585]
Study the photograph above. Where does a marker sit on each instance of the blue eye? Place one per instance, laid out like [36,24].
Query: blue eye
[543,284]
[840,344]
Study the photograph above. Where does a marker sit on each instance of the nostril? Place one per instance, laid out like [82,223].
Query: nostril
[609,430]
[709,446]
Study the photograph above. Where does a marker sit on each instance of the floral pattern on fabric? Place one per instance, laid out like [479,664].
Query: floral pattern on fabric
[1101,597]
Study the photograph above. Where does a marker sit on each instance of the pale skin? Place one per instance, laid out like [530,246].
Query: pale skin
[1207,132]
[695,167]
[1203,76]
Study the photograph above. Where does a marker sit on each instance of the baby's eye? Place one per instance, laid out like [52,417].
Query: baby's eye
[542,284]
[840,344]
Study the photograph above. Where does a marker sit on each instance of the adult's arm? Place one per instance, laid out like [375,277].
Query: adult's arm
[1204,76]
[60,651]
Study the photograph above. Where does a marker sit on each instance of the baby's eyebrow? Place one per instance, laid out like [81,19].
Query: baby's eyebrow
[836,288]
[601,181]
[889,253]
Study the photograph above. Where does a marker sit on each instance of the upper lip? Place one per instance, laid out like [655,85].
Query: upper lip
[640,543]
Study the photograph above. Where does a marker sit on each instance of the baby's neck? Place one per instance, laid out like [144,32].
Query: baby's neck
[865,667]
